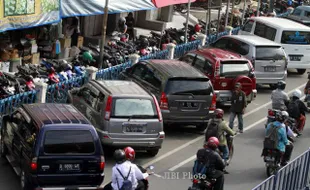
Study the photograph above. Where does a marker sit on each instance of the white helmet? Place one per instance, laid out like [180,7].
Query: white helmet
[297,93]
[285,115]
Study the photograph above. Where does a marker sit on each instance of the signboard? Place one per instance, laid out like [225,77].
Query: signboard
[16,14]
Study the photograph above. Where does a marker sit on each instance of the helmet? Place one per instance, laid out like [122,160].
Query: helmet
[285,115]
[213,142]
[219,113]
[130,153]
[278,116]
[87,56]
[289,2]
[281,85]
[122,20]
[119,156]
[297,94]
[197,28]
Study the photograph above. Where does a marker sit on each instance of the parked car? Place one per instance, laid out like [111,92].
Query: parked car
[52,146]
[293,37]
[225,69]
[267,57]
[184,94]
[123,113]
[301,14]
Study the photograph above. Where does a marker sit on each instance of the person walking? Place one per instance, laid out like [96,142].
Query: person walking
[238,105]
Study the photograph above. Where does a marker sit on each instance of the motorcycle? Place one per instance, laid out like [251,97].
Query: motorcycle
[202,183]
[272,158]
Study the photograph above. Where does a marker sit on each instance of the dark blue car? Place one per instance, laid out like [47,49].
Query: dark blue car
[52,146]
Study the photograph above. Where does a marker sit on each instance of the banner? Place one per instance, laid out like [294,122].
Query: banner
[17,14]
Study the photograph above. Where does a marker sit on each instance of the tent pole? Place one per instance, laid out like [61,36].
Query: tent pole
[244,9]
[104,32]
[187,20]
[227,13]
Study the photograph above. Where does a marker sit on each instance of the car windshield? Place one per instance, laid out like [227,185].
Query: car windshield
[269,53]
[295,37]
[131,107]
[234,68]
[69,142]
[199,86]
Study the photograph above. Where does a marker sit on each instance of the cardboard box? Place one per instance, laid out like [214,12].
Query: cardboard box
[80,41]
[35,58]
[65,43]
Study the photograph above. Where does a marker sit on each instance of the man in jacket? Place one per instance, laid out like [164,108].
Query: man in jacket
[280,98]
[238,105]
[300,113]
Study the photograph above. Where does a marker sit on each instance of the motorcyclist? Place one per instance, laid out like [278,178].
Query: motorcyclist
[121,168]
[285,147]
[140,172]
[280,98]
[222,129]
[122,27]
[215,164]
[299,113]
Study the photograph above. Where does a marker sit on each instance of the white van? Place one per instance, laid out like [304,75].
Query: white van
[294,38]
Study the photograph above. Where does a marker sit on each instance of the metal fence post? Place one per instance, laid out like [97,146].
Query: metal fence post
[92,72]
[41,88]
[171,48]
[202,39]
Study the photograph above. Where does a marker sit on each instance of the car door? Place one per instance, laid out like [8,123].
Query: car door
[204,65]
[10,130]
[153,80]
[80,99]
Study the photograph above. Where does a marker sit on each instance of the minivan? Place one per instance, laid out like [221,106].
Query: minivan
[294,38]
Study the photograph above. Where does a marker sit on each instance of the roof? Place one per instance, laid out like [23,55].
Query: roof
[175,68]
[253,40]
[44,114]
[121,87]
[306,8]
[220,54]
[283,23]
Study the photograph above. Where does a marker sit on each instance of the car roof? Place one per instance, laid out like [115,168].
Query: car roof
[48,113]
[220,54]
[121,87]
[306,8]
[253,40]
[282,23]
[174,68]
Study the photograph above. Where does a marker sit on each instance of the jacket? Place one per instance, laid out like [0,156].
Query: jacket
[302,107]
[222,129]
[117,179]
[282,136]
[238,102]
[213,161]
[279,99]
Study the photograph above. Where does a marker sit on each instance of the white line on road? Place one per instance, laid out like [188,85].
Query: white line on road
[182,163]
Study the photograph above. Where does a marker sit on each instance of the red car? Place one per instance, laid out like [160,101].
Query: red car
[224,69]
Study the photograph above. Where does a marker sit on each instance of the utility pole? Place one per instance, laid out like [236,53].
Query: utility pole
[244,10]
[187,20]
[104,32]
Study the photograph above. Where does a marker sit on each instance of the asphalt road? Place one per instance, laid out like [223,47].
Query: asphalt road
[174,162]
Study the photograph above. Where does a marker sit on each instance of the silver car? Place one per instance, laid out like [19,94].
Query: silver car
[268,58]
[123,113]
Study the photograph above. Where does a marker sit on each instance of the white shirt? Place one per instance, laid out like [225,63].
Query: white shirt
[124,169]
[138,173]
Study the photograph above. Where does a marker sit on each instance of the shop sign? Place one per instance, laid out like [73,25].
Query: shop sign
[17,14]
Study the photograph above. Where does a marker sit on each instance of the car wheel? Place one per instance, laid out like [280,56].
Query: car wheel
[301,71]
[24,182]
[4,149]
[153,152]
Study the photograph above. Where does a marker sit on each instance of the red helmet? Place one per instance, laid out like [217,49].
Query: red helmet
[213,142]
[197,28]
[130,153]
[219,113]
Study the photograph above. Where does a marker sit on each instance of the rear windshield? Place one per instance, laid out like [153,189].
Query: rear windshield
[126,107]
[189,86]
[269,53]
[69,142]
[295,37]
[234,68]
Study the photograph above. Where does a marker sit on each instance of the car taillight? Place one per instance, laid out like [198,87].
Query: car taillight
[108,108]
[34,164]
[270,113]
[163,102]
[102,163]
[195,181]
[213,103]
[160,117]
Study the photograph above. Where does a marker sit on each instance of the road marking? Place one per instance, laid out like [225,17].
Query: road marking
[182,163]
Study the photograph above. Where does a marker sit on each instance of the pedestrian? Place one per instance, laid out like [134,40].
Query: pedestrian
[130,20]
[238,105]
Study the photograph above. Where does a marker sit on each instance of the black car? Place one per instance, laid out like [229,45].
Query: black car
[185,95]
[52,146]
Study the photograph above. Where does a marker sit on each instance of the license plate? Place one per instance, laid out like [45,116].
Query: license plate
[295,58]
[134,128]
[69,167]
[268,158]
[189,105]
[270,69]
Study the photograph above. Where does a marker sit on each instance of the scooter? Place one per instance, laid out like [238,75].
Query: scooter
[272,158]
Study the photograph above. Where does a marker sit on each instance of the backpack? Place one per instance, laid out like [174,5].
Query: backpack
[127,185]
[293,109]
[271,138]
[200,165]
[212,130]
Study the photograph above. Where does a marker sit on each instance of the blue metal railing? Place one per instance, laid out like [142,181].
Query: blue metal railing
[294,176]
[158,55]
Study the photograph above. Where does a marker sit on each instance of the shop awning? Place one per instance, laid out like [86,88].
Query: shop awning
[164,3]
[71,8]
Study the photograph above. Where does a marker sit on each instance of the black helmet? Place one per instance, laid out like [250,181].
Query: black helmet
[279,117]
[281,85]
[119,156]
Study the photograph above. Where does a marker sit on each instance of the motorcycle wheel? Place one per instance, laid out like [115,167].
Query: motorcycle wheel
[271,170]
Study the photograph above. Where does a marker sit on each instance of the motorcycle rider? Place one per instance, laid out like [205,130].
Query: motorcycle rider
[130,156]
[213,161]
[280,98]
[221,129]
[122,27]
[284,146]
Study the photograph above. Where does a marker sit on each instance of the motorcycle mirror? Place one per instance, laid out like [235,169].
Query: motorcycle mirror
[151,167]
